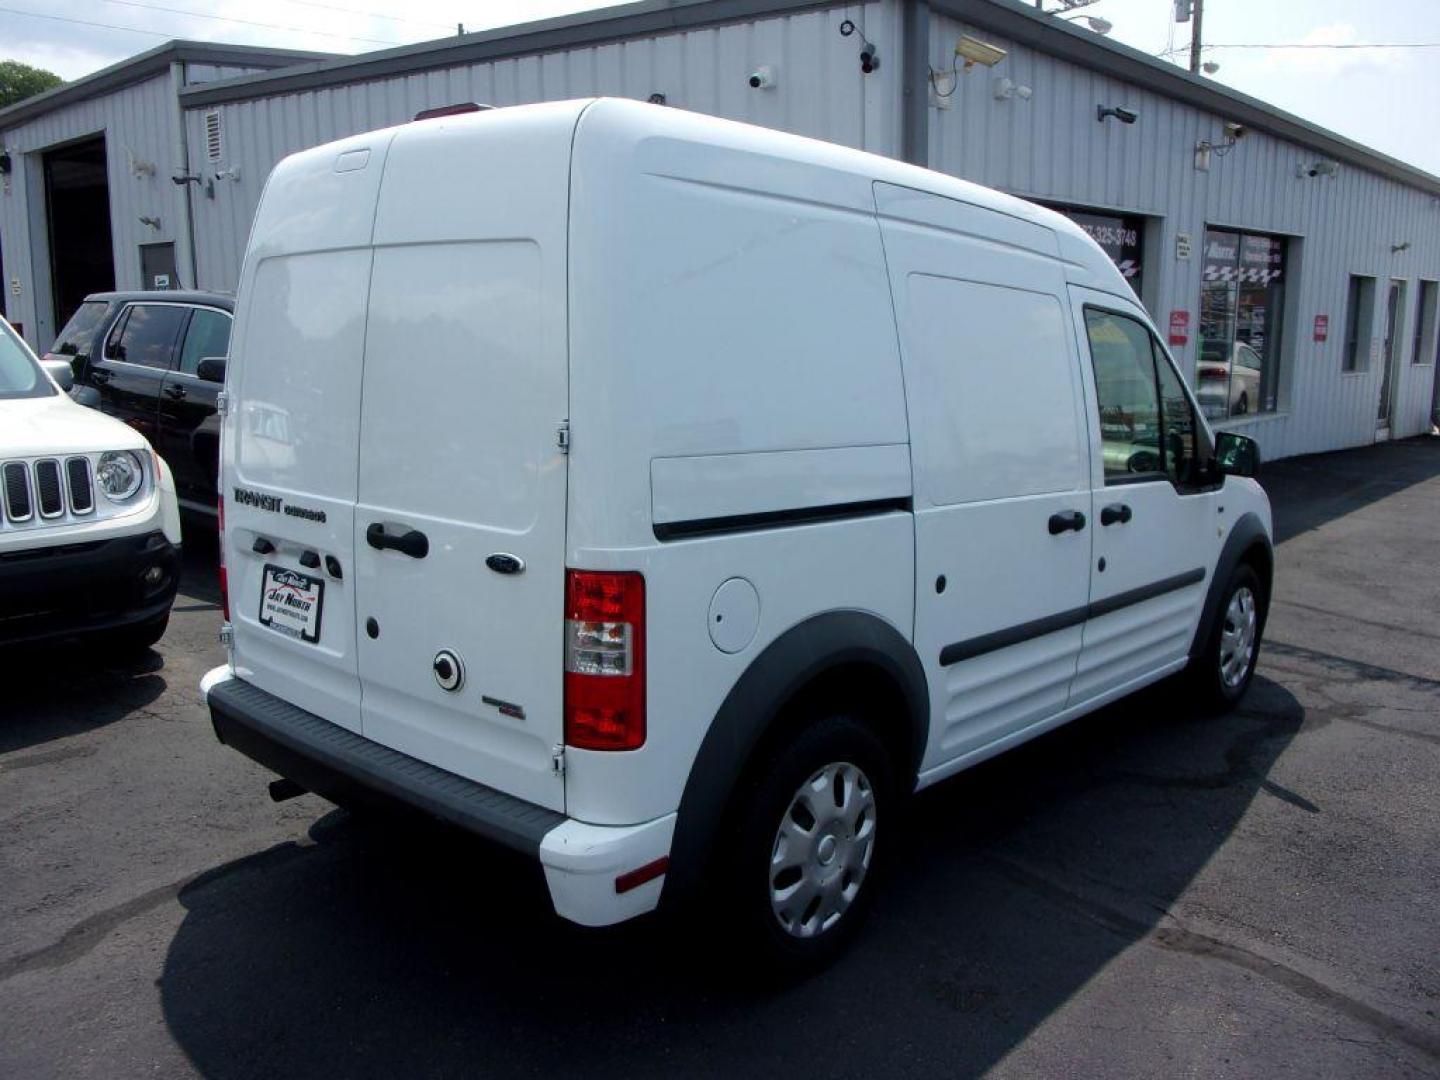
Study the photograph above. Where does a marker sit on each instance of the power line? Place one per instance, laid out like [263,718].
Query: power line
[1385,45]
[249,22]
[83,22]
[372,14]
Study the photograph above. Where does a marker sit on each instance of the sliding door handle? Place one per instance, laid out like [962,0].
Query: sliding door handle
[1115,513]
[410,542]
[1066,521]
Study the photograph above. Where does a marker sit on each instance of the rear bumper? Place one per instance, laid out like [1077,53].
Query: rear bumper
[581,862]
[79,588]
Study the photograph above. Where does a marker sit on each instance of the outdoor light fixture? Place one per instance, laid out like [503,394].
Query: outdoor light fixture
[1317,168]
[974,51]
[1096,24]
[1119,112]
[1007,88]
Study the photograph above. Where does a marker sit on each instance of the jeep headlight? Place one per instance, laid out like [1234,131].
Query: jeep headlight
[119,474]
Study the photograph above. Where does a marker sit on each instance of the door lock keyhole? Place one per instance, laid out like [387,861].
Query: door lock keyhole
[449,671]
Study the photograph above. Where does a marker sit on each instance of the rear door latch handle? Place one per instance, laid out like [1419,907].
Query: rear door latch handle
[1066,521]
[407,541]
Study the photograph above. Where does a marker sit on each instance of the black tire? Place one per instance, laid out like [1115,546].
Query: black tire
[139,637]
[742,881]
[1208,675]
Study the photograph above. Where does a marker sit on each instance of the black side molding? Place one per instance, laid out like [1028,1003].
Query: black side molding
[776,519]
[1014,635]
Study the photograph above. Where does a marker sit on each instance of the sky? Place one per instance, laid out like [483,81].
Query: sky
[1383,97]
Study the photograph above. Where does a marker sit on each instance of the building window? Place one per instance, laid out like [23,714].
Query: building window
[1425,345]
[1359,314]
[1242,297]
[1122,237]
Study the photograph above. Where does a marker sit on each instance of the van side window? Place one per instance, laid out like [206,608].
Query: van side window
[1130,429]
[1178,424]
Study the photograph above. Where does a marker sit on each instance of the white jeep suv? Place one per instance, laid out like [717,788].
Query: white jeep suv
[89,525]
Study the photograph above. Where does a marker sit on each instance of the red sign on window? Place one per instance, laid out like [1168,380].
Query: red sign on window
[1179,327]
[1322,327]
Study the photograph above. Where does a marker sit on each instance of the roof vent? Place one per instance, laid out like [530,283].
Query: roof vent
[213,145]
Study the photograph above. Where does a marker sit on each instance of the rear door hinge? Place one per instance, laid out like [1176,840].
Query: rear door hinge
[222,403]
[557,760]
[562,436]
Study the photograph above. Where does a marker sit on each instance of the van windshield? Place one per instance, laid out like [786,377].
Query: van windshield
[20,375]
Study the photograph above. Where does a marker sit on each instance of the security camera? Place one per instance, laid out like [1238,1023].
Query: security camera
[1124,115]
[1235,131]
[869,59]
[762,78]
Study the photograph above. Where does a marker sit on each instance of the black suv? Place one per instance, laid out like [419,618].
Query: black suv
[156,360]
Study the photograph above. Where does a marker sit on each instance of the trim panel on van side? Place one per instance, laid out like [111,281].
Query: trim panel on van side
[777,519]
[1014,635]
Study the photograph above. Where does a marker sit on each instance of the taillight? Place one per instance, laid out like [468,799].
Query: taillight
[604,660]
[224,581]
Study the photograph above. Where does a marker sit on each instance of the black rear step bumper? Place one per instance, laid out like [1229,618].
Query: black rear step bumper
[341,766]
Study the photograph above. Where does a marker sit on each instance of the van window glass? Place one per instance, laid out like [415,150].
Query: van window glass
[1177,420]
[79,332]
[1125,390]
[148,336]
[208,335]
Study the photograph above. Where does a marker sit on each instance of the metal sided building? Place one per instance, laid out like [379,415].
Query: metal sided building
[88,200]
[1294,271]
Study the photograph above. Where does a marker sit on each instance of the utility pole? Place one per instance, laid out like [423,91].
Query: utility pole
[1198,14]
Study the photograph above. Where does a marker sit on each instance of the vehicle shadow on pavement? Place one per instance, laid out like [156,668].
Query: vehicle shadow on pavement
[41,706]
[382,950]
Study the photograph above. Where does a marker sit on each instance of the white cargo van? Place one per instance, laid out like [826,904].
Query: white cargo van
[667,498]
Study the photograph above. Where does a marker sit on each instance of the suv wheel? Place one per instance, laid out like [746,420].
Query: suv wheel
[1227,665]
[800,872]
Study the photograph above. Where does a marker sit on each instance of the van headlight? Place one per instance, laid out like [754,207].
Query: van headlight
[119,473]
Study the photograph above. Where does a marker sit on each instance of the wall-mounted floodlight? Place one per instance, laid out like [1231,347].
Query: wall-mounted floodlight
[1119,112]
[1006,88]
[974,51]
[1095,23]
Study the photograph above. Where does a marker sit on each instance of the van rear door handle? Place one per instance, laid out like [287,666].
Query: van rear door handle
[1115,512]
[410,542]
[1066,521]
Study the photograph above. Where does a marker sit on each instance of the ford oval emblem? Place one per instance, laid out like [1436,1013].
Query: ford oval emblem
[504,563]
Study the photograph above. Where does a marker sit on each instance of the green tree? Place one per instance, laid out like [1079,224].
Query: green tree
[19,81]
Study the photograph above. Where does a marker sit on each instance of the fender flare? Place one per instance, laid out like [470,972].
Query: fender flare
[1244,534]
[773,679]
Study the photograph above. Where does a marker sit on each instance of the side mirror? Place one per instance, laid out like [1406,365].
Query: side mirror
[1237,455]
[61,372]
[211,369]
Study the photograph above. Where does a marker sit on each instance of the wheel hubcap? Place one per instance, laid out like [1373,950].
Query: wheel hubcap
[822,850]
[1237,637]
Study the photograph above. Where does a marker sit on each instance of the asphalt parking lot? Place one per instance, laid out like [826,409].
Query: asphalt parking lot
[1150,891]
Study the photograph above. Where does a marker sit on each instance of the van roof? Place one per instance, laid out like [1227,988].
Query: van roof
[636,121]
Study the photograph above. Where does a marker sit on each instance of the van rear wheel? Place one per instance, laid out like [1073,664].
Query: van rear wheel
[800,871]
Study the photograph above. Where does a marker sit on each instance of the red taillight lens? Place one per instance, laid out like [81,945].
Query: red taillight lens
[224,581]
[604,660]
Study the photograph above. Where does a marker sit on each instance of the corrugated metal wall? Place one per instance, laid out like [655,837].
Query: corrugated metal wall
[141,125]
[1052,147]
[138,125]
[820,92]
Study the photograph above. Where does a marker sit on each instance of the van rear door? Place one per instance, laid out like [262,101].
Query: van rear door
[460,524]
[288,474]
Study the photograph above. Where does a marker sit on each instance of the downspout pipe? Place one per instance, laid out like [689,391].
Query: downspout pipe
[915,82]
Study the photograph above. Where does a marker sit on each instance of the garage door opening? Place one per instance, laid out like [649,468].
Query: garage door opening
[77,205]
